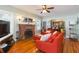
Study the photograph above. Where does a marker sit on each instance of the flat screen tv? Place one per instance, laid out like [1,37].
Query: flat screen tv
[4,28]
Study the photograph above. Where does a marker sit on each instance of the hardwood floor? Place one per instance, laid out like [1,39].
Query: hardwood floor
[28,46]
[23,46]
[71,46]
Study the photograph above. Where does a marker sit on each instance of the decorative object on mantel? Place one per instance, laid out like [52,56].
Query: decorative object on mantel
[25,20]
[28,20]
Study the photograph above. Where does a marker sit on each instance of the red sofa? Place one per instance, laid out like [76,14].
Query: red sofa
[53,46]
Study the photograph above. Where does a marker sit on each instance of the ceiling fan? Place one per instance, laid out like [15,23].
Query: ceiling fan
[45,9]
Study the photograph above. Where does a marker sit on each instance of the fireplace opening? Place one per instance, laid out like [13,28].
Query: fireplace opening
[28,33]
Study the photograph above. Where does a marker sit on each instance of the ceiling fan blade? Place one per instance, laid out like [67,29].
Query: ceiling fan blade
[48,11]
[50,8]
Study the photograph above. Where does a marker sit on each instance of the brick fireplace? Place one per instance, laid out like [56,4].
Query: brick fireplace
[26,30]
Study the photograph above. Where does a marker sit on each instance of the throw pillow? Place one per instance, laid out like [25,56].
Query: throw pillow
[54,32]
[45,37]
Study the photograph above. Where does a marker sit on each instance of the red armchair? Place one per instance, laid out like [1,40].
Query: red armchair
[51,47]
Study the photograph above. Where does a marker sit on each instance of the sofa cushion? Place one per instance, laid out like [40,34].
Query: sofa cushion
[52,37]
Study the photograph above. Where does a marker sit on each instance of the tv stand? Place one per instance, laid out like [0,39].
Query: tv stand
[7,41]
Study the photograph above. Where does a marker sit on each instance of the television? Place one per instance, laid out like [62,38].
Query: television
[4,28]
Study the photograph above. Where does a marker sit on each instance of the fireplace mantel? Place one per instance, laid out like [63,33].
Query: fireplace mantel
[27,23]
[24,27]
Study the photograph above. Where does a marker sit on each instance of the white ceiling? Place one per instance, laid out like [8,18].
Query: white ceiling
[58,10]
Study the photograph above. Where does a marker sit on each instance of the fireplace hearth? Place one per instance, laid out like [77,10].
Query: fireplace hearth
[28,33]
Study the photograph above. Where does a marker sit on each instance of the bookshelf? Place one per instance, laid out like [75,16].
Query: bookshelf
[72,31]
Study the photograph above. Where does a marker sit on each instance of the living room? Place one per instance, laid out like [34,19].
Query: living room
[32,30]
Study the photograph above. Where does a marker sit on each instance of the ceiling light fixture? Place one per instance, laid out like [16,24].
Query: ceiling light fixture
[44,11]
